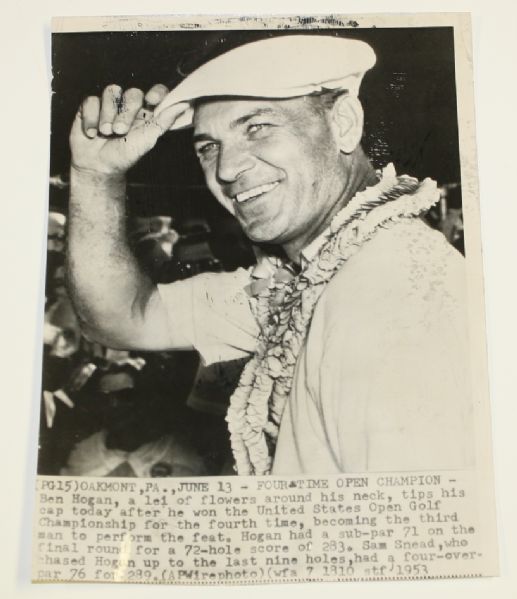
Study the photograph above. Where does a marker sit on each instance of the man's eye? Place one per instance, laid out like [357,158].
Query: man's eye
[206,149]
[257,128]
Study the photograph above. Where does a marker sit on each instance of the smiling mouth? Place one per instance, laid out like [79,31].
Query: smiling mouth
[255,192]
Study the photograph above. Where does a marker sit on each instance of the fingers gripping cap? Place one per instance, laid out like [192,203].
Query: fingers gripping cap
[280,67]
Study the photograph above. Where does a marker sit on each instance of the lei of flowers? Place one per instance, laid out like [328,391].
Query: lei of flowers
[285,307]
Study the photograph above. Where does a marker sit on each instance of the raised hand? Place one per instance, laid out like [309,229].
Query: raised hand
[111,133]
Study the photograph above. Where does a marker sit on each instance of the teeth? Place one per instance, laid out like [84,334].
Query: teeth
[256,191]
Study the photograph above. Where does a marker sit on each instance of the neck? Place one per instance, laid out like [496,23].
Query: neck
[361,175]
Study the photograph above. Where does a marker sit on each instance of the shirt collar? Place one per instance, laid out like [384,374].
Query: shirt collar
[310,251]
[267,265]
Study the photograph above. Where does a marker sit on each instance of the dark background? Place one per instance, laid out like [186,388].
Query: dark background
[409,99]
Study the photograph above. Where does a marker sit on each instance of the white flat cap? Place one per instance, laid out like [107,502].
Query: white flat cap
[281,67]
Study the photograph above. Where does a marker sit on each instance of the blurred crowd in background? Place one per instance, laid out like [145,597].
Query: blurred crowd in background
[108,412]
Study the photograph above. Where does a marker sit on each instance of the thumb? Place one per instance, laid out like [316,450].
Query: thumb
[77,127]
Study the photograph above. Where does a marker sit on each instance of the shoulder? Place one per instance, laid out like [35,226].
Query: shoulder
[404,287]
[403,271]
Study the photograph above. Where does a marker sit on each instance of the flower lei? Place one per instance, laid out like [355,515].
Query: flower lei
[284,311]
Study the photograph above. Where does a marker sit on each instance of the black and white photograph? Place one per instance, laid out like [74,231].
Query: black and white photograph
[264,347]
[256,254]
[258,299]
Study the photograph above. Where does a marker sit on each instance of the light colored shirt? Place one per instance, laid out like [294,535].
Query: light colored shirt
[382,382]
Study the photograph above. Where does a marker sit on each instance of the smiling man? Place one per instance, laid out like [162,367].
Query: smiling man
[357,339]
[278,165]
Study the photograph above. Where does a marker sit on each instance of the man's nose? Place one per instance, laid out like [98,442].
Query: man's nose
[233,161]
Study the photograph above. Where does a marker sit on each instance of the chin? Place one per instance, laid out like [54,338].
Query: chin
[258,238]
[258,234]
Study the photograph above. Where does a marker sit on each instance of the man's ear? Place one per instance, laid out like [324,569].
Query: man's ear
[347,122]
